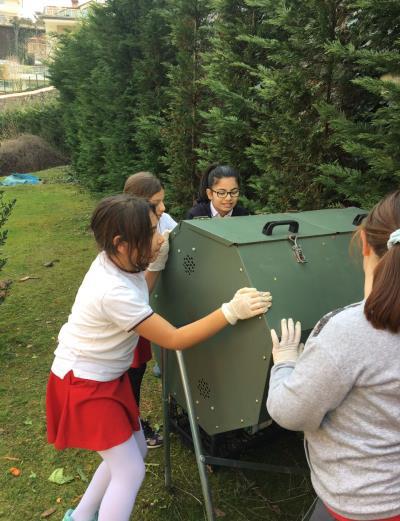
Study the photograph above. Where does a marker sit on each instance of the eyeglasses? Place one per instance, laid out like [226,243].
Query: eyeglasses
[223,194]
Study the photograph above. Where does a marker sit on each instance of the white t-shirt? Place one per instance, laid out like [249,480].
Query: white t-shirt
[97,342]
[166,222]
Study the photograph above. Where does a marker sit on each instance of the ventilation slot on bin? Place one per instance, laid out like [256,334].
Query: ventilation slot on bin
[204,388]
[188,264]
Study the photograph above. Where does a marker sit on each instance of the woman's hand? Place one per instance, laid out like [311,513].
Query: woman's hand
[288,348]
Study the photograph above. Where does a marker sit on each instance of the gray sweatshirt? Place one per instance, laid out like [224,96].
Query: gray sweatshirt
[344,393]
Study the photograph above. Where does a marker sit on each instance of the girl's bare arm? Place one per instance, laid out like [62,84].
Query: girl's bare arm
[161,332]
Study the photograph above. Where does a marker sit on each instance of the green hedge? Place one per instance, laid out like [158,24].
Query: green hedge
[302,96]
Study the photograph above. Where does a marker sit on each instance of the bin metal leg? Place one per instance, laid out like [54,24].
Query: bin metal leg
[165,404]
[200,458]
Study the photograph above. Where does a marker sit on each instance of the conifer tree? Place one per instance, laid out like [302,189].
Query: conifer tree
[229,66]
[100,99]
[292,140]
[114,94]
[69,72]
[366,132]
[301,97]
[111,75]
[189,25]
[151,81]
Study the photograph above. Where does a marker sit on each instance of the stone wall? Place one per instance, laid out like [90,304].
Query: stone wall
[18,99]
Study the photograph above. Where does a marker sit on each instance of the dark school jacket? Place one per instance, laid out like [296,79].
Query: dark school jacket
[203,209]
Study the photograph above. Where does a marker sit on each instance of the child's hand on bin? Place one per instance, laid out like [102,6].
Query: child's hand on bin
[162,257]
[288,349]
[246,303]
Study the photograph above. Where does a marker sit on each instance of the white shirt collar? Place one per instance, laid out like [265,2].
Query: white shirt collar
[214,212]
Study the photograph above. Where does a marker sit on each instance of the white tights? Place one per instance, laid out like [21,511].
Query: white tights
[116,482]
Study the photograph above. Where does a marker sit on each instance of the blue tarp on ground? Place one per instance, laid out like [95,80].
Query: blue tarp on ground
[20,179]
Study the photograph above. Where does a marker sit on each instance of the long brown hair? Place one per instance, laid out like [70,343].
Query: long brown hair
[129,218]
[142,184]
[382,307]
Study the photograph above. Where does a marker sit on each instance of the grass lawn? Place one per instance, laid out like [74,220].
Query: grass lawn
[49,223]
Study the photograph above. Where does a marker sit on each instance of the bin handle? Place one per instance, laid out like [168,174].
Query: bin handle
[359,218]
[269,226]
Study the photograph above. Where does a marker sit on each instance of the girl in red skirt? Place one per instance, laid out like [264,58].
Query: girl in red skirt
[89,400]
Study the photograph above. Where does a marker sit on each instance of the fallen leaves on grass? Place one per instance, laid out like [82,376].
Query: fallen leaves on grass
[58,477]
[48,512]
[50,264]
[28,277]
[15,471]
[82,475]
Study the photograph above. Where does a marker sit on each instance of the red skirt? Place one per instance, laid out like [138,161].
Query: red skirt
[338,517]
[87,414]
[142,353]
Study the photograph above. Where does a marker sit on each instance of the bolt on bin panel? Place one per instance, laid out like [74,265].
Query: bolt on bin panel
[209,260]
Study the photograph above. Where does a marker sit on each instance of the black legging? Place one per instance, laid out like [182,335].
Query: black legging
[136,376]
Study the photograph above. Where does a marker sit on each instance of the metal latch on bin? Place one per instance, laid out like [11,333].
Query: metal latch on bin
[294,228]
[298,252]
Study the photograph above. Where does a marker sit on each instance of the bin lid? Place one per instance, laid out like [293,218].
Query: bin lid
[249,229]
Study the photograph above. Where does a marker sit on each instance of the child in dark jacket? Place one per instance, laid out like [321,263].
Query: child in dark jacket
[218,194]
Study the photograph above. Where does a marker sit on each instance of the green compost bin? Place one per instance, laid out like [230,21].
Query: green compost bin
[210,259]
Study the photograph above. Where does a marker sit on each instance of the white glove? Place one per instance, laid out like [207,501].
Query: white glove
[162,257]
[289,348]
[246,303]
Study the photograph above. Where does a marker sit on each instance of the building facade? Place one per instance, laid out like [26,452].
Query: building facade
[10,9]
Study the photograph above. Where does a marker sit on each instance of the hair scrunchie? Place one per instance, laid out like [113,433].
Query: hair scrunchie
[393,239]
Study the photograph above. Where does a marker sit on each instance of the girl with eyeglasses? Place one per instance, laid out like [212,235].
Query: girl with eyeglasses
[218,194]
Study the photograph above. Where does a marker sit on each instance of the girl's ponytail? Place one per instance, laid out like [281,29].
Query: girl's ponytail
[382,228]
[204,184]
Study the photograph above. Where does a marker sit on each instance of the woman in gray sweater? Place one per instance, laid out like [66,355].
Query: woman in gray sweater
[343,391]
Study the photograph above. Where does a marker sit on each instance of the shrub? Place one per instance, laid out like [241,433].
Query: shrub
[28,153]
[40,119]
